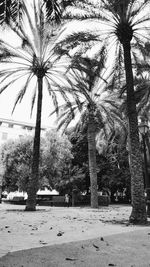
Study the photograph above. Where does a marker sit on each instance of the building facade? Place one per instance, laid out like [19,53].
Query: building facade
[11,129]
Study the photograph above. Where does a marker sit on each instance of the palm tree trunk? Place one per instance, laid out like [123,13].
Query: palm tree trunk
[92,162]
[138,214]
[33,182]
[146,162]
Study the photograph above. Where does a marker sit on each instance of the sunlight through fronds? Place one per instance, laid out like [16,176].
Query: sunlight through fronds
[35,57]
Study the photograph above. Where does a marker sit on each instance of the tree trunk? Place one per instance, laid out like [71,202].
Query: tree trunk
[146,163]
[92,163]
[33,182]
[138,214]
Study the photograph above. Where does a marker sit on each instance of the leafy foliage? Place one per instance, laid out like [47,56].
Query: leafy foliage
[119,177]
[56,156]
[16,159]
[112,164]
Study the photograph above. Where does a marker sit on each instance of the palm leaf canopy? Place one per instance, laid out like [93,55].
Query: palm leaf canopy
[88,87]
[11,10]
[142,94]
[33,58]
[55,8]
[111,22]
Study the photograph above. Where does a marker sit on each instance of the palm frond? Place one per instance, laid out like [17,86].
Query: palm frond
[53,10]
[10,11]
[16,11]
[74,40]
[8,84]
[33,99]
[22,92]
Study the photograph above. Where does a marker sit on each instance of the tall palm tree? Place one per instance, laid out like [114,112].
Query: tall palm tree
[32,66]
[92,107]
[124,26]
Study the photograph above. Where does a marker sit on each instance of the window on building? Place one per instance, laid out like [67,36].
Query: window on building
[24,127]
[29,128]
[4,136]
[10,125]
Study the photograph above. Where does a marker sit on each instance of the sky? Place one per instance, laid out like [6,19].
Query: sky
[22,111]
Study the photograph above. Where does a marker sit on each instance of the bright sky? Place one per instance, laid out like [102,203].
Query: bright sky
[22,111]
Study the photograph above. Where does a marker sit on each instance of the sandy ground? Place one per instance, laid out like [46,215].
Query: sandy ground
[49,227]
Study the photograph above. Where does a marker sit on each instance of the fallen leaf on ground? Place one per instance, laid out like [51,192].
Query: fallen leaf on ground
[60,233]
[70,259]
[42,242]
[95,246]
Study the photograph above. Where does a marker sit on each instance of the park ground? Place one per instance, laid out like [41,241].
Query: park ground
[61,236]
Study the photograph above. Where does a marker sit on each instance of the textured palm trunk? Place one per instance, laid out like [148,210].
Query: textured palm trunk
[92,162]
[33,182]
[146,163]
[138,214]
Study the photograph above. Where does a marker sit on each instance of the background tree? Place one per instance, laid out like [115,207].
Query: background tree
[56,156]
[113,173]
[16,159]
[119,171]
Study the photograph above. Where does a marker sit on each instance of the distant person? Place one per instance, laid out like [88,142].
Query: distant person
[67,200]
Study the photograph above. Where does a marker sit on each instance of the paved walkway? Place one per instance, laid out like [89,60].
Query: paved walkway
[123,250]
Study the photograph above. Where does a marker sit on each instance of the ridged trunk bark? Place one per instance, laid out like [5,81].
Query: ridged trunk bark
[92,163]
[138,214]
[33,182]
[146,163]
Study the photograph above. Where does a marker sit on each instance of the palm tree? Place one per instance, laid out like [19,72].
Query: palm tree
[123,25]
[94,108]
[33,66]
